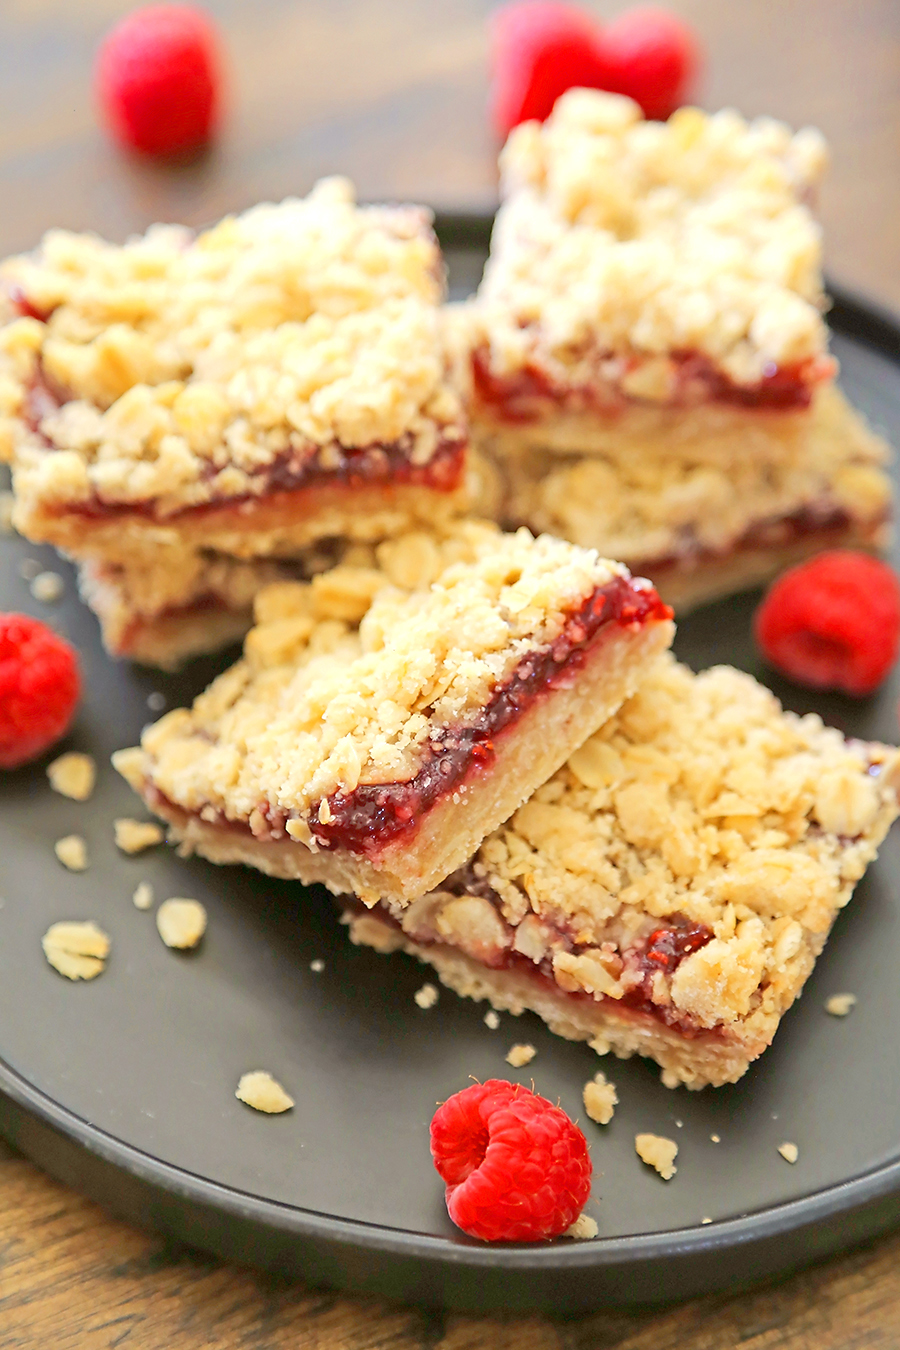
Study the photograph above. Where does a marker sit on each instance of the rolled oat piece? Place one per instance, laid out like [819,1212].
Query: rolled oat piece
[385,719]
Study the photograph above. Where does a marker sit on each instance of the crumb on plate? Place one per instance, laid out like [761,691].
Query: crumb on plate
[73,775]
[72,852]
[181,922]
[76,948]
[133,836]
[657,1152]
[600,1099]
[839,1005]
[520,1055]
[47,587]
[317,966]
[143,895]
[790,1152]
[427,996]
[583,1227]
[260,1090]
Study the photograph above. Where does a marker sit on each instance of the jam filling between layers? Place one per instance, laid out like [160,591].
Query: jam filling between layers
[660,951]
[524,395]
[377,815]
[292,470]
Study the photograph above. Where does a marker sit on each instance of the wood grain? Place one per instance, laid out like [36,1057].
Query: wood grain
[394,95]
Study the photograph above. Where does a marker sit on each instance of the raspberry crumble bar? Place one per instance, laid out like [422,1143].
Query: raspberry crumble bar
[667,892]
[383,720]
[646,359]
[273,381]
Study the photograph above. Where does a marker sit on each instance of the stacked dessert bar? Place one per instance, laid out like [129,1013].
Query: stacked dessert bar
[646,360]
[185,413]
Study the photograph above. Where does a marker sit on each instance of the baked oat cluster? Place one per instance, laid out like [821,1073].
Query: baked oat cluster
[621,236]
[180,370]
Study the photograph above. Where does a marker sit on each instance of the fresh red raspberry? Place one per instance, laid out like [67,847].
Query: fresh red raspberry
[158,76]
[39,688]
[833,622]
[652,57]
[516,1168]
[539,50]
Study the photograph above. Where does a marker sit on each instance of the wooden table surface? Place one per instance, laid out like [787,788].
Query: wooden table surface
[393,94]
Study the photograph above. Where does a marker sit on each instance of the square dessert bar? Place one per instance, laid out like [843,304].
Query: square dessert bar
[668,891]
[648,344]
[270,382]
[383,720]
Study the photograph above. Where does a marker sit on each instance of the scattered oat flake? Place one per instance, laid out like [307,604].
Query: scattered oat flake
[491,1020]
[427,996]
[716,1138]
[7,503]
[77,949]
[839,1005]
[29,569]
[790,1152]
[181,923]
[260,1090]
[133,836]
[47,587]
[73,775]
[520,1055]
[657,1152]
[317,966]
[143,896]
[156,701]
[600,1099]
[583,1227]
[72,852]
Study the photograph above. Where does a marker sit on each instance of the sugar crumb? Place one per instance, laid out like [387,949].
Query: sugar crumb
[520,1055]
[143,896]
[706,1220]
[600,1099]
[583,1227]
[717,1139]
[839,1005]
[73,775]
[77,949]
[491,1020]
[427,996]
[72,852]
[181,922]
[657,1152]
[679,1124]
[47,587]
[133,836]
[790,1152]
[260,1090]
[156,701]
[317,966]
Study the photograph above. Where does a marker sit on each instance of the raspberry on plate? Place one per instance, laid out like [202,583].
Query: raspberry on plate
[39,688]
[516,1168]
[540,49]
[158,77]
[652,57]
[833,622]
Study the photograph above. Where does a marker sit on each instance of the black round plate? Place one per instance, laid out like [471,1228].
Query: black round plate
[124,1087]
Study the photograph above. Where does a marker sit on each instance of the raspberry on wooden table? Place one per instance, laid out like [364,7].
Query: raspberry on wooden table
[39,688]
[833,622]
[516,1168]
[158,79]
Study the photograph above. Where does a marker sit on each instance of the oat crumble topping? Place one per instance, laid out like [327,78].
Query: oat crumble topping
[260,1090]
[600,1099]
[839,1005]
[520,1055]
[47,587]
[72,852]
[133,836]
[73,775]
[143,895]
[191,365]
[427,996]
[77,949]
[657,1152]
[790,1152]
[620,237]
[584,1227]
[181,923]
[346,678]
[491,1020]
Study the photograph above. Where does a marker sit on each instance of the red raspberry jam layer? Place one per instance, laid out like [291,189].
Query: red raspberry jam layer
[530,393]
[291,471]
[377,814]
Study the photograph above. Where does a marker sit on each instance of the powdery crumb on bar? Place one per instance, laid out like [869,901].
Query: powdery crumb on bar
[600,1099]
[47,587]
[318,966]
[790,1152]
[839,1005]
[427,996]
[584,1227]
[73,775]
[657,1152]
[133,836]
[143,896]
[261,1091]
[77,949]
[492,1020]
[181,923]
[520,1055]
[72,852]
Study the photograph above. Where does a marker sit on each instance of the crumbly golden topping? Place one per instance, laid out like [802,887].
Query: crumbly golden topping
[346,678]
[622,236]
[77,948]
[73,775]
[291,332]
[657,1152]
[701,799]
